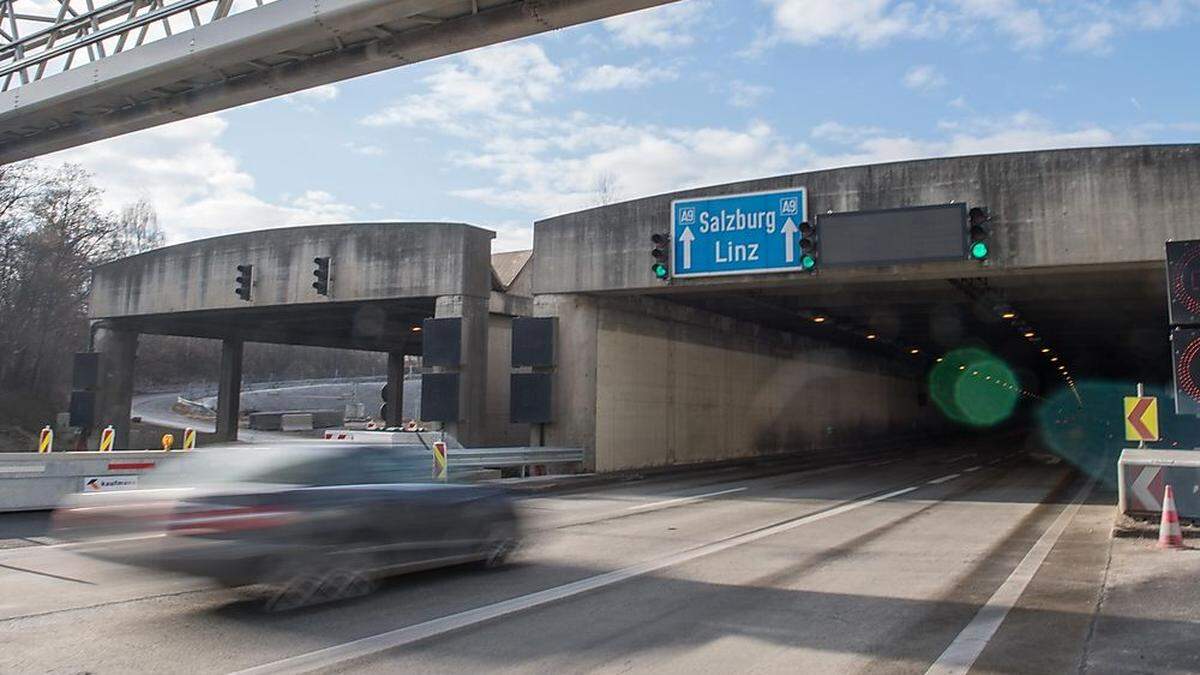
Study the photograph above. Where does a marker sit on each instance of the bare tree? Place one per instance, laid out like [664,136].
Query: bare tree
[605,188]
[137,229]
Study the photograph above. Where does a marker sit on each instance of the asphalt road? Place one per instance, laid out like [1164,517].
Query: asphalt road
[940,563]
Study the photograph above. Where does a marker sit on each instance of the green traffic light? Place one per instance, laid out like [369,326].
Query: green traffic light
[660,270]
[807,262]
[979,250]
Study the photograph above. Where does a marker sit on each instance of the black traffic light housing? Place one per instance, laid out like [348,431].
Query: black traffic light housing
[661,267]
[809,245]
[1183,282]
[978,247]
[321,272]
[245,280]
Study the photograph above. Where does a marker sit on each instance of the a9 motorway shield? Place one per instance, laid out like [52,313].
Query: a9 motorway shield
[738,234]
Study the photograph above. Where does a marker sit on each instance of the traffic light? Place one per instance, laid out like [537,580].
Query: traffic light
[808,246]
[321,272]
[383,408]
[245,279]
[977,232]
[1183,282]
[662,256]
[1185,350]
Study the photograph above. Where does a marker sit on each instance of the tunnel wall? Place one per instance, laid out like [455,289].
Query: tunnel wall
[1052,208]
[649,383]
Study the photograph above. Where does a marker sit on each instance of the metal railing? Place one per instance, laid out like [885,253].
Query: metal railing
[503,458]
[43,38]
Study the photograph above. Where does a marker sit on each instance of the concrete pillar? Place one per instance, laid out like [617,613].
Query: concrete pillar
[395,387]
[574,385]
[472,384]
[229,390]
[114,395]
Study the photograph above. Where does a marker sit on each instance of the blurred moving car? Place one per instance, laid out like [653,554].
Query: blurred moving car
[313,522]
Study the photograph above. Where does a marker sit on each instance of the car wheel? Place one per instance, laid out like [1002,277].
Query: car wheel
[500,545]
[309,585]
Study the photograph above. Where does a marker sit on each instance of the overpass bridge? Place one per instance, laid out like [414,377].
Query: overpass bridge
[648,372]
[73,72]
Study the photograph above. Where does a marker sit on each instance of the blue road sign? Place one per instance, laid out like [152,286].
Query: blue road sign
[738,234]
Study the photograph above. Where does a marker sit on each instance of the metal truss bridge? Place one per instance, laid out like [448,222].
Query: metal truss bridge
[76,71]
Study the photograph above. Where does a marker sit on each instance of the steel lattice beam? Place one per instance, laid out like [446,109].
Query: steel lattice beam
[73,72]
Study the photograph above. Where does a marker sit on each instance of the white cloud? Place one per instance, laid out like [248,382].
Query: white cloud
[608,77]
[923,78]
[364,149]
[664,27]
[865,23]
[196,186]
[837,132]
[746,95]
[1096,38]
[1017,132]
[323,93]
[502,81]
[561,172]
[1023,25]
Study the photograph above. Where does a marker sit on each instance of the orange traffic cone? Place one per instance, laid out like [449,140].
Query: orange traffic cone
[1169,533]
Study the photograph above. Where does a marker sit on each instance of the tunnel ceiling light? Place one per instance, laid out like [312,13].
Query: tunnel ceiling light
[1045,350]
[914,350]
[1030,334]
[940,359]
[416,329]
[819,319]
[871,336]
[1008,315]
[1053,359]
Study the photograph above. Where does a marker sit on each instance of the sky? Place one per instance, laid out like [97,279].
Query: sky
[694,93]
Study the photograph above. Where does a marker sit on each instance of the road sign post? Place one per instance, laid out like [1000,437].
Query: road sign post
[1141,418]
[106,438]
[439,461]
[748,233]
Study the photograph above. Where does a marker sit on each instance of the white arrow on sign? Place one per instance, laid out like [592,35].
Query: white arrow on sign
[1141,488]
[687,238]
[789,238]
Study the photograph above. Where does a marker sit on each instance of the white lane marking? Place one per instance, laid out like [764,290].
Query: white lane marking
[943,479]
[966,648]
[68,545]
[684,500]
[972,469]
[324,658]
[885,462]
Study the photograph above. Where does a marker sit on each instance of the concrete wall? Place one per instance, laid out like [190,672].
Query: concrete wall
[1051,208]
[497,429]
[370,261]
[672,385]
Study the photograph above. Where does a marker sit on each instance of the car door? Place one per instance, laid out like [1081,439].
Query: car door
[407,520]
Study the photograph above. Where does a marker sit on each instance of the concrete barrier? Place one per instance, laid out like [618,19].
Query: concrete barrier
[1143,474]
[32,481]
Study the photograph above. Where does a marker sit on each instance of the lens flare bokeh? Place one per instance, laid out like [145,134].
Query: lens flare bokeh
[974,387]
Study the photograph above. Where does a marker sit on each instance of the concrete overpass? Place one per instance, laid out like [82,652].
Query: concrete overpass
[385,280]
[652,373]
[74,75]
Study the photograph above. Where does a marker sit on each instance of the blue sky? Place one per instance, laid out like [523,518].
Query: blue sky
[693,93]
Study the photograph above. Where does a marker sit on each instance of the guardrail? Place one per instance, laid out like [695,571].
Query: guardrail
[30,481]
[504,458]
[1142,474]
